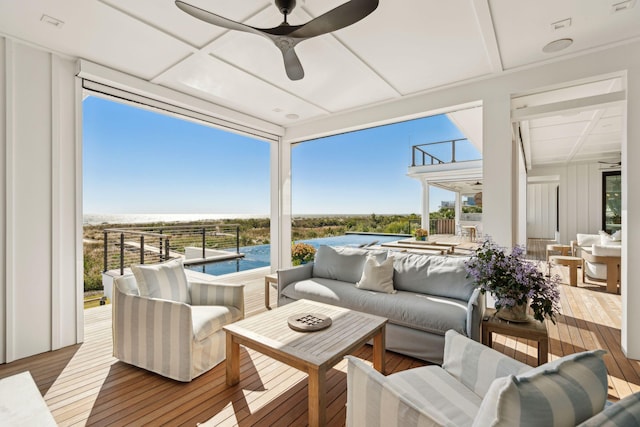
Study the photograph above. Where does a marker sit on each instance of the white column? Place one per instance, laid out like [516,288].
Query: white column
[425,204]
[630,270]
[280,205]
[497,170]
[458,207]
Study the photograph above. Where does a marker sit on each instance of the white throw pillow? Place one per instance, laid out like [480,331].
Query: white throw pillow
[377,276]
[564,392]
[163,281]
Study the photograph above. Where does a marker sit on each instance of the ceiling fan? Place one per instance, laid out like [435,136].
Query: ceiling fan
[286,36]
[610,164]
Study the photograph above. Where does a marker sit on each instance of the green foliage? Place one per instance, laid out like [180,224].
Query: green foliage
[472,209]
[443,213]
[93,260]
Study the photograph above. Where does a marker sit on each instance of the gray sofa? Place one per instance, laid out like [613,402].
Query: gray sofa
[432,295]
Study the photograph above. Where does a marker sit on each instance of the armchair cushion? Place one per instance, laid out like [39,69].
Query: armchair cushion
[166,281]
[207,320]
[564,392]
[476,365]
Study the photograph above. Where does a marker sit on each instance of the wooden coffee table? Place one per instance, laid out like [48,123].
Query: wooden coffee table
[312,352]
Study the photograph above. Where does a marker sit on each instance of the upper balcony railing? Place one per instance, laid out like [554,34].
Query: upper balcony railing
[124,247]
[450,151]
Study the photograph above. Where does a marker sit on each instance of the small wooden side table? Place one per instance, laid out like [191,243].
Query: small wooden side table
[563,249]
[573,262]
[268,280]
[531,330]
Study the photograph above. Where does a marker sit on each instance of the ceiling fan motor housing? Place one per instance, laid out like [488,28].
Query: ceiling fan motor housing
[286,6]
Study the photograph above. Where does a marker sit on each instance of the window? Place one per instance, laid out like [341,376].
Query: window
[611,201]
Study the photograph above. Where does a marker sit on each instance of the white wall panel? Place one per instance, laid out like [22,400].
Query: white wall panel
[40,281]
[580,201]
[3,205]
[30,201]
[541,210]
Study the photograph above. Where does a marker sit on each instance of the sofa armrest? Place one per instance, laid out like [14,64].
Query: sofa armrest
[205,293]
[372,400]
[475,312]
[476,365]
[287,276]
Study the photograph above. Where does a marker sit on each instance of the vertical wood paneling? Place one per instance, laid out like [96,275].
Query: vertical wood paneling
[41,254]
[541,211]
[580,198]
[3,196]
[32,150]
[66,224]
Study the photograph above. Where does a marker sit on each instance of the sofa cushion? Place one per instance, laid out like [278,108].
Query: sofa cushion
[626,412]
[209,319]
[342,263]
[432,274]
[607,239]
[587,239]
[601,250]
[419,311]
[435,391]
[564,392]
[166,281]
[377,276]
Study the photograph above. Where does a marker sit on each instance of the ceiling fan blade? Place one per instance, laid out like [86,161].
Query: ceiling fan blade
[340,17]
[214,19]
[292,64]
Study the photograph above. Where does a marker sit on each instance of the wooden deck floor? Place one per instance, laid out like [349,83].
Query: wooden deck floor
[85,385]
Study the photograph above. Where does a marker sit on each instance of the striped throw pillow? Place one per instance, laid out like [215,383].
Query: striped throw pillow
[564,392]
[620,414]
[163,281]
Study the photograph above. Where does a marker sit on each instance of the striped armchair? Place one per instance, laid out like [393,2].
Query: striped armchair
[477,386]
[174,339]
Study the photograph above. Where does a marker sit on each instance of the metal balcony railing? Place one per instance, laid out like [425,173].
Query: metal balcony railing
[436,153]
[124,247]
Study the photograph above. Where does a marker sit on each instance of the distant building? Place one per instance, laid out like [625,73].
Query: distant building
[447,204]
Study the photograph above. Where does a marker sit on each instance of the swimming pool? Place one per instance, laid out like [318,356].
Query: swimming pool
[260,255]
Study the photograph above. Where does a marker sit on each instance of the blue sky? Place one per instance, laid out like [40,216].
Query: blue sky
[138,161]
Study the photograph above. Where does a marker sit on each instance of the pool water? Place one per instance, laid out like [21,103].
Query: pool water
[260,255]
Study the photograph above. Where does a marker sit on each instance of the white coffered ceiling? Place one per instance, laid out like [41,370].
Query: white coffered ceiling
[403,48]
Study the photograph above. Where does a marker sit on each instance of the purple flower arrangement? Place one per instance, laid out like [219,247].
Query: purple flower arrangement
[514,280]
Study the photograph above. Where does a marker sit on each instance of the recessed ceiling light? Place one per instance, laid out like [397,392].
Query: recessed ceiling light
[557,45]
[292,116]
[52,21]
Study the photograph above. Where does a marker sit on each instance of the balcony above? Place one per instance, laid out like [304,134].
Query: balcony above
[453,165]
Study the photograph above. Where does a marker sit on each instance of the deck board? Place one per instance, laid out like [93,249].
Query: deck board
[85,385]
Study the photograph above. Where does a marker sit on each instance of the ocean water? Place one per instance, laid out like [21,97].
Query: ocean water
[96,219]
[260,255]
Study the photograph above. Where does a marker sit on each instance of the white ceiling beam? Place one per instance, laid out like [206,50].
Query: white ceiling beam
[487,29]
[571,106]
[585,134]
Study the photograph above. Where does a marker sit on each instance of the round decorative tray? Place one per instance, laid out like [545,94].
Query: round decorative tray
[309,322]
